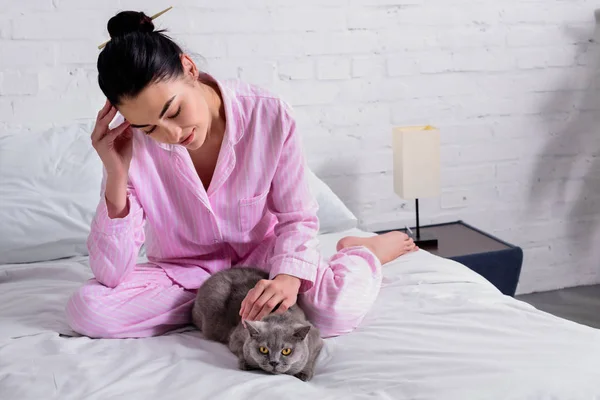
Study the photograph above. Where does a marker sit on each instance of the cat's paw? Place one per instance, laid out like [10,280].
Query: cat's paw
[304,376]
[243,365]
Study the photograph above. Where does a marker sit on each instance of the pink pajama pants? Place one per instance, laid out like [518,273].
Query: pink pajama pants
[149,303]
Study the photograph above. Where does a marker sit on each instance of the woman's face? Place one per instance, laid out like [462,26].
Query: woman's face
[174,111]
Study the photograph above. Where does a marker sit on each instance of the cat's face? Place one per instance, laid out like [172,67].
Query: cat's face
[275,348]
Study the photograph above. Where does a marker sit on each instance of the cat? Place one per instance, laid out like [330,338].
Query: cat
[279,344]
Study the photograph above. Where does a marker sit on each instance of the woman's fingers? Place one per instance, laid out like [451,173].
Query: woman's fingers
[101,127]
[251,297]
[106,120]
[104,110]
[268,307]
[119,129]
[259,304]
[285,305]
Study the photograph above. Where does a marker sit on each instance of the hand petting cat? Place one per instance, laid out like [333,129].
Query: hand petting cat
[267,294]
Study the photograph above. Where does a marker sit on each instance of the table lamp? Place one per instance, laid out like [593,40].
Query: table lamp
[416,151]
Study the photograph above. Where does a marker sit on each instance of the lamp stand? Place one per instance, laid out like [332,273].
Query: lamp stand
[423,239]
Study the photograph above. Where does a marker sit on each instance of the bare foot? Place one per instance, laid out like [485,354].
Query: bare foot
[386,247]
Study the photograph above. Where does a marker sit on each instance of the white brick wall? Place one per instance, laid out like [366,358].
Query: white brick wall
[512,85]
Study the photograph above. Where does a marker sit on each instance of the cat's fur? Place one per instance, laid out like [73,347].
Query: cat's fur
[216,314]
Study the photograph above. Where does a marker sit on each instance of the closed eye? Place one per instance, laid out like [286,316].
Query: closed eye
[170,117]
[176,114]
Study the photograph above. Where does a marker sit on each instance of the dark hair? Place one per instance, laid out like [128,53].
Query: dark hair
[135,56]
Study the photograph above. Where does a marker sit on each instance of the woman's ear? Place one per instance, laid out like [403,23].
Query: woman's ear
[189,67]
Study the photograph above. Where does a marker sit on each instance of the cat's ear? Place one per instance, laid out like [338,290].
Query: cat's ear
[300,333]
[253,327]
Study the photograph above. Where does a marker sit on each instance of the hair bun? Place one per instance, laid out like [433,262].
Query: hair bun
[128,22]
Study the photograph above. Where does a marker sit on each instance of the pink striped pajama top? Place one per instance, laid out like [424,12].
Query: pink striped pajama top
[258,210]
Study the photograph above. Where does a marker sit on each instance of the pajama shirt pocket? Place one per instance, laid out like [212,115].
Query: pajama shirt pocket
[252,210]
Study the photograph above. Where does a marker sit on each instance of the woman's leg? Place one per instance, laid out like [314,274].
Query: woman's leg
[346,287]
[149,303]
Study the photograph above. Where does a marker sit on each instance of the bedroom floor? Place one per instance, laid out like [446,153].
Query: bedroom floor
[579,304]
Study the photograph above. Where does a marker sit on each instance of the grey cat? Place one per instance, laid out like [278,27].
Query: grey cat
[279,344]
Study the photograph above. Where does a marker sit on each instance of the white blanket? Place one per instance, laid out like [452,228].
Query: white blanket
[437,331]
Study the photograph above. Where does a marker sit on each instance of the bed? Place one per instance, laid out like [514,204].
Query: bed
[437,331]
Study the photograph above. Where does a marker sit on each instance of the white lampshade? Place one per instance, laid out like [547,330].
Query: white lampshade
[416,161]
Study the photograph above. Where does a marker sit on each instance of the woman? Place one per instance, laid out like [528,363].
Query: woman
[210,175]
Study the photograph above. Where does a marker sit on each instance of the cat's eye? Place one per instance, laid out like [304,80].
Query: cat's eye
[263,350]
[286,352]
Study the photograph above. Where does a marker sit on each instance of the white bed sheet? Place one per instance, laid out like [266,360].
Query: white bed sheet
[437,331]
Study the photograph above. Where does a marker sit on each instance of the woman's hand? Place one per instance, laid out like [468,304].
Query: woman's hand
[267,294]
[114,146]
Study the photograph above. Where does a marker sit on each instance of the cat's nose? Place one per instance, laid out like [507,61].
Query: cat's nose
[274,363]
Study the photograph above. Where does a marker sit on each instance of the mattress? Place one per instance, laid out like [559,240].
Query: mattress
[437,331]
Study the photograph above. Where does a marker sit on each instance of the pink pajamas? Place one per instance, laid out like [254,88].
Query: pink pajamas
[257,211]
[149,303]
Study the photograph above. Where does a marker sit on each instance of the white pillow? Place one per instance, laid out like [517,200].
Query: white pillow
[49,190]
[49,185]
[333,214]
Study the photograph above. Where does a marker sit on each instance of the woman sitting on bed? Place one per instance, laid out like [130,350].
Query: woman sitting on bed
[208,175]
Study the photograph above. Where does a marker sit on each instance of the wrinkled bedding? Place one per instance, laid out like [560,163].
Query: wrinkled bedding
[437,331]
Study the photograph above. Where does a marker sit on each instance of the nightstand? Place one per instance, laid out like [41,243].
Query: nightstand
[496,260]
